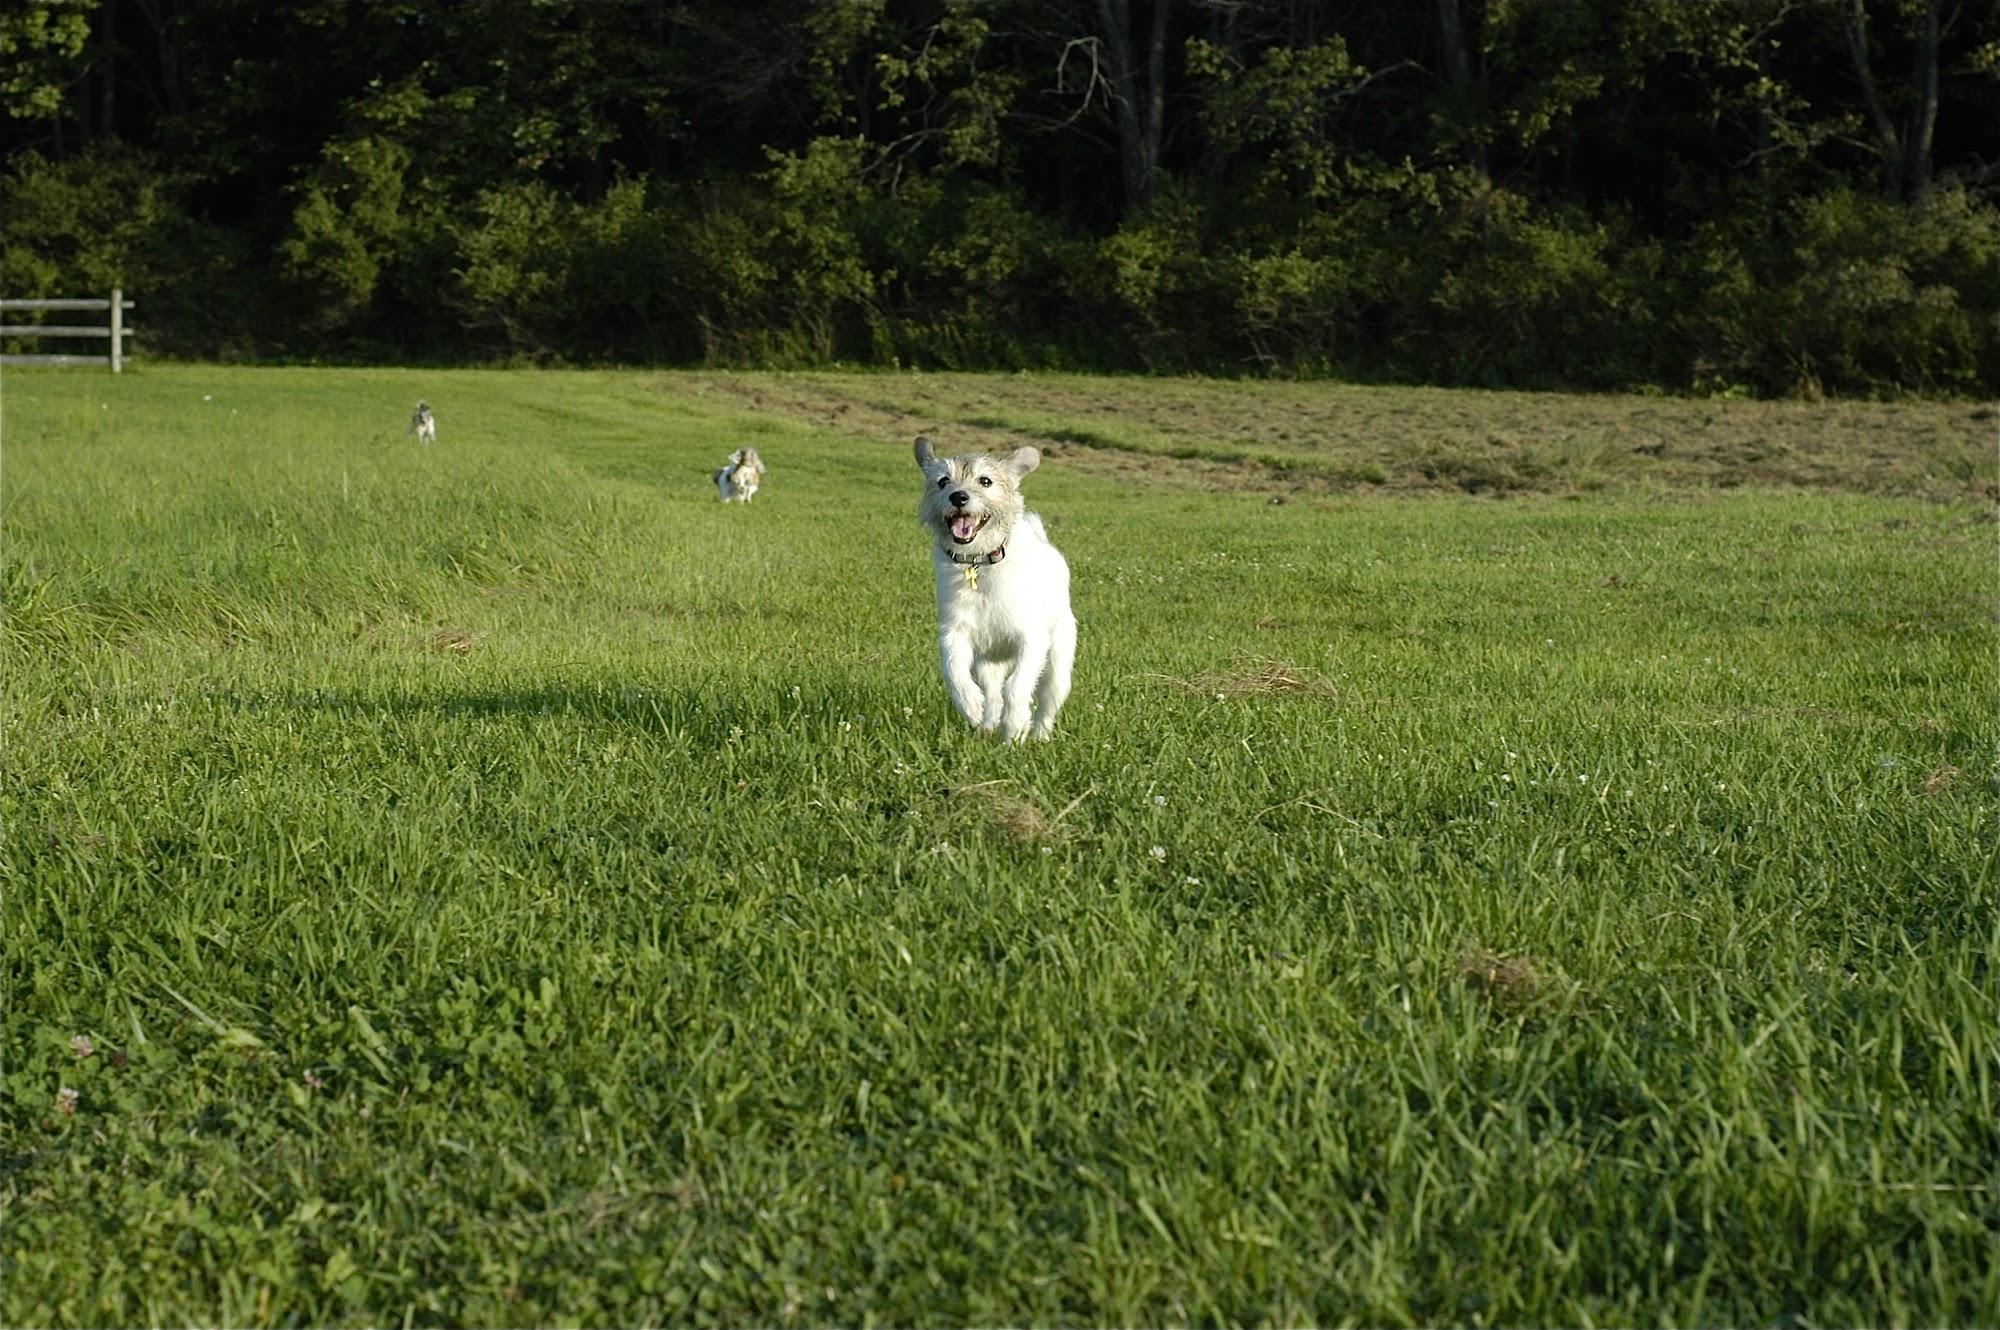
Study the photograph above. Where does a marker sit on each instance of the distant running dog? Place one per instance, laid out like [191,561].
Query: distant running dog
[424,425]
[739,480]
[1006,635]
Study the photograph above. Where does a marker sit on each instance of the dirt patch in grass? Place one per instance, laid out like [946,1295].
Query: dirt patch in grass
[1289,440]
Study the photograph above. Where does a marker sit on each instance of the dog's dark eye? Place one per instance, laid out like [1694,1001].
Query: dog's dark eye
[942,480]
[986,481]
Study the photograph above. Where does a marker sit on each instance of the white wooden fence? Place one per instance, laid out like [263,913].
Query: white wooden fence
[116,330]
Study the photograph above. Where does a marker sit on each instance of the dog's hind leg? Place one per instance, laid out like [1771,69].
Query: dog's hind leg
[1053,689]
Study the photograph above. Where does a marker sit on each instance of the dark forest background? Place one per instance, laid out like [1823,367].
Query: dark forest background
[1720,196]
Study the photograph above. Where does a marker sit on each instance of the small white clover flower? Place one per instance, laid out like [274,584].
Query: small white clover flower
[1160,801]
[81,1046]
[66,1099]
[1159,852]
[1504,776]
[1193,881]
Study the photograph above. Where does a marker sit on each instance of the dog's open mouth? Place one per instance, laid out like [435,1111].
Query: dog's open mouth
[965,526]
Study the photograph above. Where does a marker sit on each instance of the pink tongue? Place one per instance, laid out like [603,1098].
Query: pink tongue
[964,528]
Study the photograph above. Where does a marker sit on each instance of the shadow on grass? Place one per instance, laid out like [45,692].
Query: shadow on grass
[686,711]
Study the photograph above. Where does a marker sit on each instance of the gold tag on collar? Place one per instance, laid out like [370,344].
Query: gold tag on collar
[972,576]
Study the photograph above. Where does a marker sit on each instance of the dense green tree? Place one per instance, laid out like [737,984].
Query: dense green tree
[1773,195]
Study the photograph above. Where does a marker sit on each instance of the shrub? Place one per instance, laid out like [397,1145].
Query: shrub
[116,217]
[513,258]
[356,220]
[1546,297]
[1160,283]
[1292,308]
[1875,297]
[1850,294]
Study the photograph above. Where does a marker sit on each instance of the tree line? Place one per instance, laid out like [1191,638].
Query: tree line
[1720,196]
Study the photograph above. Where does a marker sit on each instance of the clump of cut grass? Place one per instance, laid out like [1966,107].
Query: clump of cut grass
[990,806]
[1261,676]
[1512,984]
[1941,780]
[454,641]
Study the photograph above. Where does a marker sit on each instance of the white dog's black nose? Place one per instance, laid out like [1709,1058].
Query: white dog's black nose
[959,498]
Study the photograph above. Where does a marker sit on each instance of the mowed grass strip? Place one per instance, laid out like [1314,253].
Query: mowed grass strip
[1289,439]
[497,883]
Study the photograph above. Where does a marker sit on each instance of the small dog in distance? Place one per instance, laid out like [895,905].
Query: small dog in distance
[424,425]
[1006,636]
[739,480]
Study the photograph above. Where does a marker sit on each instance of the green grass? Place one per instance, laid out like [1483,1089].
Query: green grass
[501,885]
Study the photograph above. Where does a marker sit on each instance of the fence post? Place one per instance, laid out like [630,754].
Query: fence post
[117,330]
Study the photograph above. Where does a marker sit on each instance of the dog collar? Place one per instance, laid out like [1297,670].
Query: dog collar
[993,556]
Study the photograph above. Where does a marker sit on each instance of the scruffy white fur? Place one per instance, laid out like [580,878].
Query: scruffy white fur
[424,425]
[1006,635]
[739,479]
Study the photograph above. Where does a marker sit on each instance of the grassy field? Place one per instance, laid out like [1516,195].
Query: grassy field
[1507,860]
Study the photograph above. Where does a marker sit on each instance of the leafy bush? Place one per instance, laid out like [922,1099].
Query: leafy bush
[513,257]
[115,217]
[1545,296]
[1160,281]
[1874,297]
[1850,294]
[1292,308]
[357,218]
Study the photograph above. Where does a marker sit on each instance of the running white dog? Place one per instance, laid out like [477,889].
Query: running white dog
[739,479]
[1005,630]
[424,425]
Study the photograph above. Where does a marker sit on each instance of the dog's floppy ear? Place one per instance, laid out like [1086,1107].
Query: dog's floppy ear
[1021,461]
[925,456]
